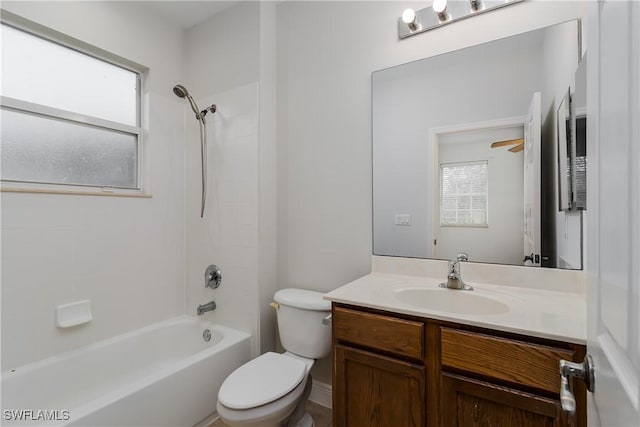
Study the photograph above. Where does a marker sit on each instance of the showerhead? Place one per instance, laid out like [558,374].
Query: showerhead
[180,91]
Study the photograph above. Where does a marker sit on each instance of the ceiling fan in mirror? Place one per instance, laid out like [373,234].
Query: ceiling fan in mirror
[518,144]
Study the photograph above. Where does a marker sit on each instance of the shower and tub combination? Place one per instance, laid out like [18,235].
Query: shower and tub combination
[182,92]
[134,378]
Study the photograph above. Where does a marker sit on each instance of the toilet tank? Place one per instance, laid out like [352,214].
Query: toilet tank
[300,315]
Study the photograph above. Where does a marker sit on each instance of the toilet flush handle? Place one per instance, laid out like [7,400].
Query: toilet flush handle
[326,320]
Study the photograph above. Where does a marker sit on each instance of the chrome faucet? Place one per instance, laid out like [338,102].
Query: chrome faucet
[203,308]
[454,279]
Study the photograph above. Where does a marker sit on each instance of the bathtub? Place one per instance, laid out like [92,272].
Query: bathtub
[165,374]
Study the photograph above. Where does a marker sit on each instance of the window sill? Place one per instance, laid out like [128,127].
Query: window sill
[464,225]
[105,193]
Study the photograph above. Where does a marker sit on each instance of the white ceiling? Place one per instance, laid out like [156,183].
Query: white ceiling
[188,13]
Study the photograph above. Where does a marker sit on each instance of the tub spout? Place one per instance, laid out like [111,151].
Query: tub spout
[203,308]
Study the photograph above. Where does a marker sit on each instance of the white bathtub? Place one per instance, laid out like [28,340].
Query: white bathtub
[161,375]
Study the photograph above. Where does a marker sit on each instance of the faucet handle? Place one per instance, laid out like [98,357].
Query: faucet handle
[453,267]
[462,256]
[212,277]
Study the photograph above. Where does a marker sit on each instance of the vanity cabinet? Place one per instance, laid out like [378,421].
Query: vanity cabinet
[398,370]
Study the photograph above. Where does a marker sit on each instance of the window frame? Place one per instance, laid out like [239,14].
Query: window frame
[468,163]
[26,107]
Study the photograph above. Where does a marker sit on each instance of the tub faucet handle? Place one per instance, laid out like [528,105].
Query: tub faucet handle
[212,277]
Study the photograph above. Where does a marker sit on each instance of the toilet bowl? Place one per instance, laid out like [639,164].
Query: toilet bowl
[271,390]
[265,391]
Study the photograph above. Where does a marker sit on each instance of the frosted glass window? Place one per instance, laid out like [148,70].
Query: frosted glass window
[68,118]
[49,150]
[45,73]
[464,194]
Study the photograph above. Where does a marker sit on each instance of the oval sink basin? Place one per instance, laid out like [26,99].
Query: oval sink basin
[451,301]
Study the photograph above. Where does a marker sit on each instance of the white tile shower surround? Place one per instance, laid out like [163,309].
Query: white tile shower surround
[58,249]
[228,234]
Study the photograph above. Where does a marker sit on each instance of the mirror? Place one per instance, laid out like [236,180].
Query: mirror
[465,153]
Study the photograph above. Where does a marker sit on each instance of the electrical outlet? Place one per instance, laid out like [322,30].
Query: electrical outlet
[403,219]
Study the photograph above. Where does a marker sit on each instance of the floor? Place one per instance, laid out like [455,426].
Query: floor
[321,416]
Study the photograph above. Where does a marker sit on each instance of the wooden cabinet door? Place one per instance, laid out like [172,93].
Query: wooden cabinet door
[371,390]
[471,403]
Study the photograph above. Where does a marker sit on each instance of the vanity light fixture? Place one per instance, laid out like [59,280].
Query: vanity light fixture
[443,12]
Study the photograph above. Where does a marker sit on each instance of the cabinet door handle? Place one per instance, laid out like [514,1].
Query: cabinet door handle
[583,371]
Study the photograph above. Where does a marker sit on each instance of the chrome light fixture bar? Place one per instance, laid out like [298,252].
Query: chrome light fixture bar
[443,12]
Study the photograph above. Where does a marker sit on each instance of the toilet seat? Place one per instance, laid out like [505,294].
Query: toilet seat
[270,414]
[261,381]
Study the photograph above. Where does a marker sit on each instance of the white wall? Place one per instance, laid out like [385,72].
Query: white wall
[225,62]
[267,187]
[124,254]
[506,199]
[412,100]
[326,53]
[224,51]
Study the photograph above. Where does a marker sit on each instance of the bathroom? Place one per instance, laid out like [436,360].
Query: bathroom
[289,162]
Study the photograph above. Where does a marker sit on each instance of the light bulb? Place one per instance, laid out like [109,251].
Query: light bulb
[409,16]
[439,6]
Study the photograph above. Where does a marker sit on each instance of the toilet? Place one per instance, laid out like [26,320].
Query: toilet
[271,390]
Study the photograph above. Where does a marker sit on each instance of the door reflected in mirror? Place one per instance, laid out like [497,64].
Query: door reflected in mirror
[472,205]
[465,153]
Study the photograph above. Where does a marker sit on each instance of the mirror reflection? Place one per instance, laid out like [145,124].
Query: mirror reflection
[465,153]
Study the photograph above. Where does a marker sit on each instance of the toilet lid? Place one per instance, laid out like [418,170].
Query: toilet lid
[260,381]
[302,298]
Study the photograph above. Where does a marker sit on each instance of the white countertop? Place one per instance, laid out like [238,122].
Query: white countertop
[556,315]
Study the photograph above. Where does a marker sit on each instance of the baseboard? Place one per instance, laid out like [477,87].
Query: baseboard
[321,394]
[208,420]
